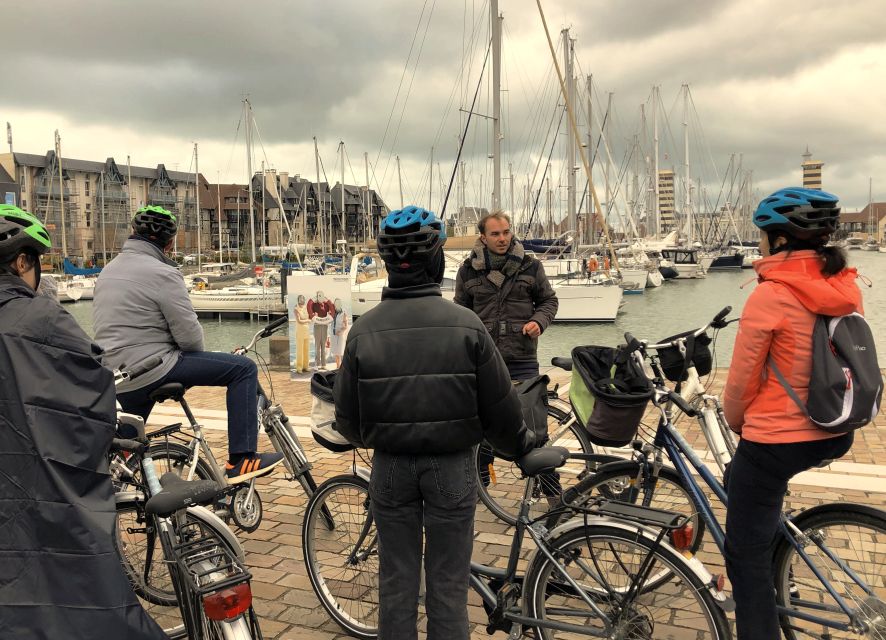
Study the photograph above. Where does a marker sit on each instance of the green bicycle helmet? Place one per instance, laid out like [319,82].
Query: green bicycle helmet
[21,231]
[155,223]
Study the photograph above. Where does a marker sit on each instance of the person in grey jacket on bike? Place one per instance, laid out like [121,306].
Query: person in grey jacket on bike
[422,383]
[142,309]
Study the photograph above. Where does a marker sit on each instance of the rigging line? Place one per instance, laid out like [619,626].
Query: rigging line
[452,95]
[547,164]
[409,88]
[400,85]
[234,144]
[261,143]
[461,143]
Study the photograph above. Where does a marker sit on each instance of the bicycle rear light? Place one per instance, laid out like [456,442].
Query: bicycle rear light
[228,603]
[682,537]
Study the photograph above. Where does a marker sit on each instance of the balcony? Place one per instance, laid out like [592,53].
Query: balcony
[156,196]
[51,190]
[112,195]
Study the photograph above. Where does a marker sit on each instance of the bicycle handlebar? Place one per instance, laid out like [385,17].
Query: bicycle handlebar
[678,400]
[717,322]
[273,326]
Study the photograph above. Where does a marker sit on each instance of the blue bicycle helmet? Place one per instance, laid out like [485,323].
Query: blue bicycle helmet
[801,213]
[410,234]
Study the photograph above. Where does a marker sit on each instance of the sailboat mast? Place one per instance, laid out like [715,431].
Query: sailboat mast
[104,239]
[511,174]
[495,22]
[570,140]
[320,223]
[400,182]
[248,106]
[589,223]
[344,231]
[369,230]
[656,192]
[687,194]
[218,208]
[61,193]
[199,221]
[431,180]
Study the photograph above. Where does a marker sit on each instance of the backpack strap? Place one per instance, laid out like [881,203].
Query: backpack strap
[787,387]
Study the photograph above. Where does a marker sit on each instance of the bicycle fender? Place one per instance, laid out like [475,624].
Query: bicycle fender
[648,534]
[800,518]
[215,523]
[362,472]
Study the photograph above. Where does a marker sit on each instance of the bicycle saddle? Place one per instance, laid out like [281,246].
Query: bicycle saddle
[168,391]
[178,494]
[542,460]
[562,363]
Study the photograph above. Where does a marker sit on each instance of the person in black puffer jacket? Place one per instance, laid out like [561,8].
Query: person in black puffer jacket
[422,383]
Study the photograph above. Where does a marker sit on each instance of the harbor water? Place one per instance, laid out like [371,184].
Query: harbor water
[675,307]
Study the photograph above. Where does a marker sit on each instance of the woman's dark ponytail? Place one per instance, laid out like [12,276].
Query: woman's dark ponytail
[833,257]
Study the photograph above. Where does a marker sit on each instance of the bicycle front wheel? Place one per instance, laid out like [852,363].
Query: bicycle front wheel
[847,545]
[343,562]
[501,483]
[605,563]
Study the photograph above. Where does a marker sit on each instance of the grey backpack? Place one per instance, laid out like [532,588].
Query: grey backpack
[846,385]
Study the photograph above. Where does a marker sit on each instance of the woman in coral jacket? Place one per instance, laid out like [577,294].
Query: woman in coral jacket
[799,278]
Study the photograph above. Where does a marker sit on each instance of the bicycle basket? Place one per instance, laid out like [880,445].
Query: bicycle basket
[323,413]
[609,394]
[698,354]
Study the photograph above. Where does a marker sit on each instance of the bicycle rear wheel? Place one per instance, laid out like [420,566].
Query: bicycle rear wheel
[847,544]
[343,562]
[501,483]
[604,561]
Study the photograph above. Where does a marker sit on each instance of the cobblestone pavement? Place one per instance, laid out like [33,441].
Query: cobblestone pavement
[284,600]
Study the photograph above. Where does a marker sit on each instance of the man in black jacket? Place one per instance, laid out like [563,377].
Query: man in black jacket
[510,293]
[60,574]
[422,383]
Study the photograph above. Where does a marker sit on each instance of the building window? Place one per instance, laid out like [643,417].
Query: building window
[24,204]
[87,186]
[88,206]
[88,219]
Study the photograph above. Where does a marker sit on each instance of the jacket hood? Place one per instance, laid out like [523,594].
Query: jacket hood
[11,286]
[135,244]
[800,271]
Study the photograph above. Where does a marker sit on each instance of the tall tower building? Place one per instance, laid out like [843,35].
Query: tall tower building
[811,171]
[666,199]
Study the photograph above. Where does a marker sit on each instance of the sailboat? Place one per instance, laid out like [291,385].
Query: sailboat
[871,243]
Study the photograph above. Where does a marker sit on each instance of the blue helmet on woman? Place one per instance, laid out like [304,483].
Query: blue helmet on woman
[801,213]
[411,234]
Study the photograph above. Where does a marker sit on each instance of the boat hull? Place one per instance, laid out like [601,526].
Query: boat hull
[578,302]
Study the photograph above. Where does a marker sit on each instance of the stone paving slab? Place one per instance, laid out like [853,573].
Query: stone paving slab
[283,598]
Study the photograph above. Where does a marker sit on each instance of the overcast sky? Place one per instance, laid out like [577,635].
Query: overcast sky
[147,79]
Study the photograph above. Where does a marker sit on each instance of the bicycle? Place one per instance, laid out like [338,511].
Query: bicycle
[199,566]
[191,457]
[501,484]
[828,561]
[586,578]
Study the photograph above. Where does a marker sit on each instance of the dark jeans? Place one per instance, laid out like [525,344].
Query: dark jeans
[439,493]
[212,369]
[757,480]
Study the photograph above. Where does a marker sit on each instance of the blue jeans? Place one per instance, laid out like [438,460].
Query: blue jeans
[212,369]
[756,483]
[437,494]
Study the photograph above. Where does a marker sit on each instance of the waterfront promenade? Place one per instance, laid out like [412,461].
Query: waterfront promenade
[283,596]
